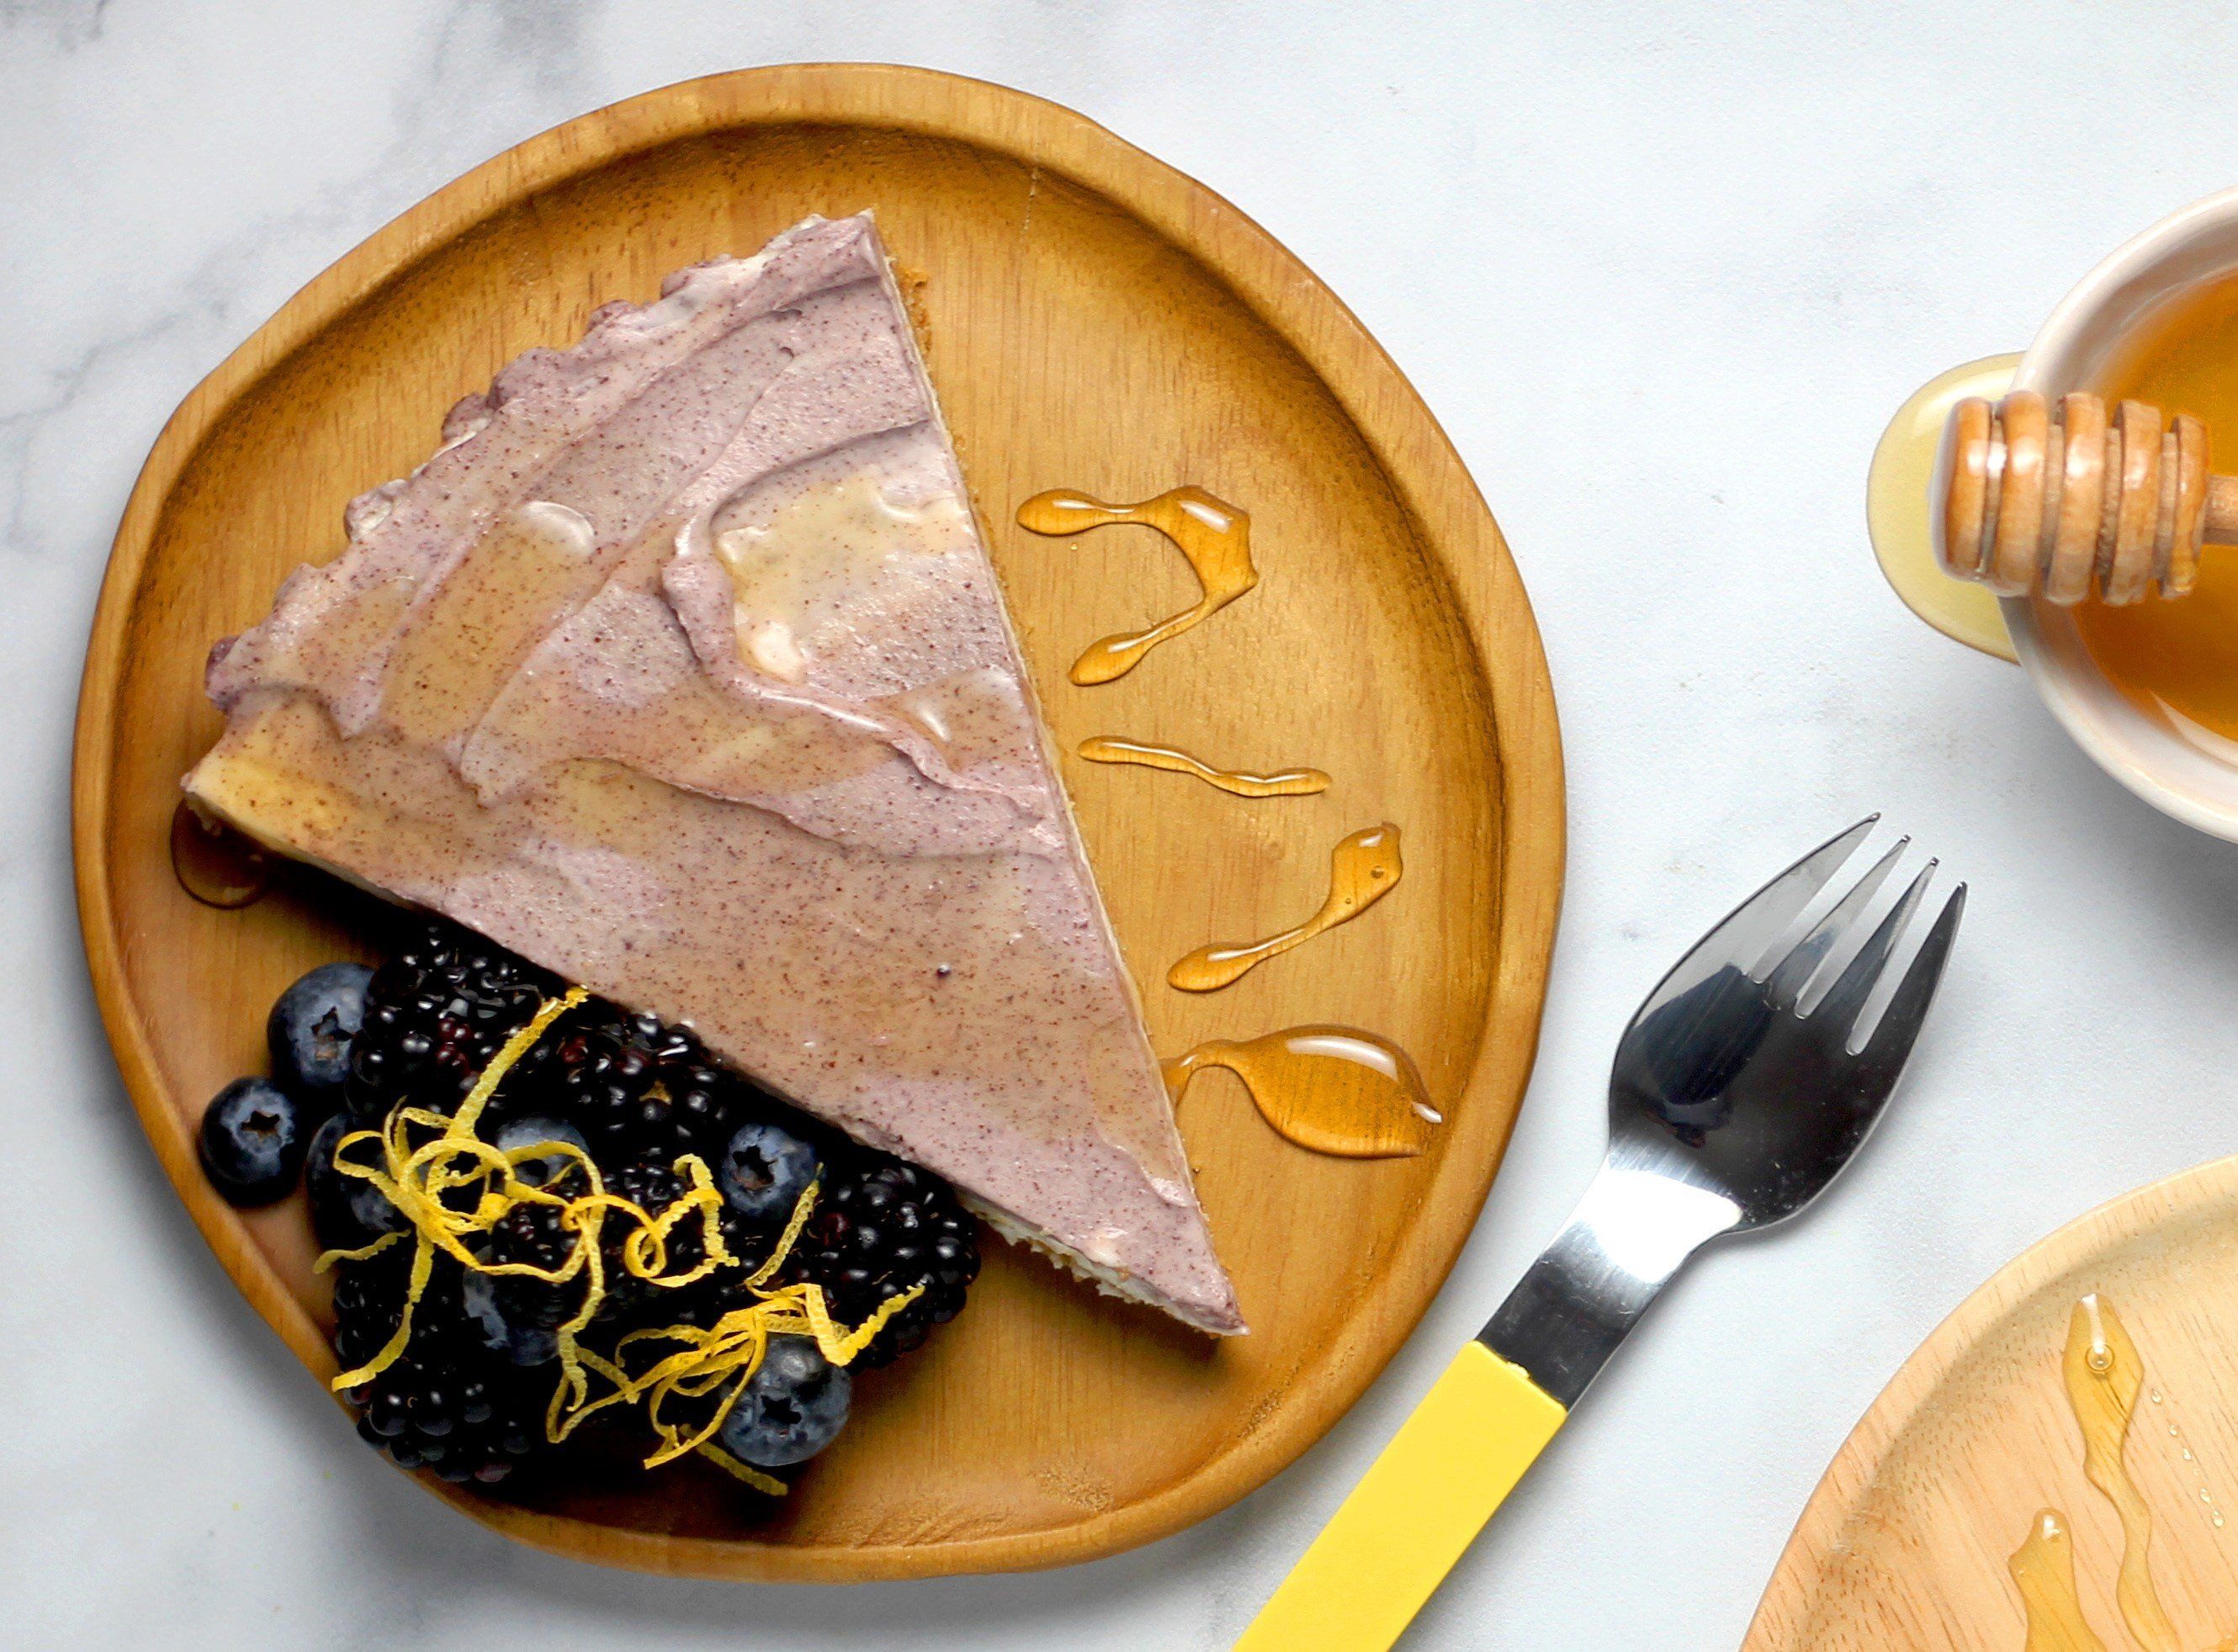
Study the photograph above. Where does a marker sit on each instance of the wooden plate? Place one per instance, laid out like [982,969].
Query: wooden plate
[1097,321]
[1906,1541]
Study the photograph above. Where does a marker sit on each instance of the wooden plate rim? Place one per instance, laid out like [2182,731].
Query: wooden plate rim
[1414,454]
[1799,1573]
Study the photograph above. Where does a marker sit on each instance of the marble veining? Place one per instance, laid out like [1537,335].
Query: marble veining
[1721,244]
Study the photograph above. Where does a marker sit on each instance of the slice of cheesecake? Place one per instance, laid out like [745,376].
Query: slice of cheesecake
[681,668]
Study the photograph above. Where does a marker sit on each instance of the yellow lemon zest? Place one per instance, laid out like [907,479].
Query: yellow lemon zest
[645,1252]
[427,1159]
[422,1178]
[801,1208]
[363,1252]
[752,1477]
[571,1402]
[416,1178]
[721,1357]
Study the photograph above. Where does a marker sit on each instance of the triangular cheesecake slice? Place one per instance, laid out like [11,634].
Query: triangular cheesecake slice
[681,668]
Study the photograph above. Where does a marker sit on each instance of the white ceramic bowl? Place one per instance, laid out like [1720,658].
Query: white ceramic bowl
[2178,768]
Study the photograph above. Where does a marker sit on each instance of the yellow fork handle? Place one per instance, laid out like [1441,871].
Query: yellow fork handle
[1422,1502]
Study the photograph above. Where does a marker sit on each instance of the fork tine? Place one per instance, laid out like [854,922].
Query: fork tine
[1750,928]
[1845,999]
[1886,1051]
[1786,983]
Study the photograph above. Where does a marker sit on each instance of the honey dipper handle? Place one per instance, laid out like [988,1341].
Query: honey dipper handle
[2221,510]
[2033,497]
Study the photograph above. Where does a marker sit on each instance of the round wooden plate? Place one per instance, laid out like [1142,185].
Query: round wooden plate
[1906,1541]
[1096,320]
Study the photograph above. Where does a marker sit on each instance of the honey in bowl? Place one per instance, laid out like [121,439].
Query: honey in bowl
[2179,660]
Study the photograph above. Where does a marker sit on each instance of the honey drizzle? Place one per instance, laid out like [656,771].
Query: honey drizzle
[215,864]
[2043,1570]
[1213,534]
[1333,1090]
[2104,1376]
[2183,1448]
[1363,868]
[1287,782]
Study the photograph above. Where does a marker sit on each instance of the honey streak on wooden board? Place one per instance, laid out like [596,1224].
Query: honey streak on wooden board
[215,864]
[1213,534]
[1363,868]
[1285,782]
[2178,659]
[2043,1571]
[1334,1089]
[2104,1375]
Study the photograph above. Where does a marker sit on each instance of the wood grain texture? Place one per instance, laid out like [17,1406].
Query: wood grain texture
[1096,320]
[1906,1541]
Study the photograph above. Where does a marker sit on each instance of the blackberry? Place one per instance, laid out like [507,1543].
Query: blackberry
[531,1233]
[592,1075]
[464,1420]
[369,1296]
[636,1088]
[881,1227]
[705,1103]
[435,1013]
[447,1403]
[651,1186]
[648,1184]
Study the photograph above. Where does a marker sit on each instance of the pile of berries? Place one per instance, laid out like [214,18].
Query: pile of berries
[468,1397]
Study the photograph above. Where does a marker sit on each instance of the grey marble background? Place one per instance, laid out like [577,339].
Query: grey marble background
[1663,271]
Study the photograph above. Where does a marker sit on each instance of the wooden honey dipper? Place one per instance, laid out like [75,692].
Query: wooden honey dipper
[2030,498]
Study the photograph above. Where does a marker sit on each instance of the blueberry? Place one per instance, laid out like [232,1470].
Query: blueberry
[764,1172]
[252,1142]
[793,1407]
[483,1297]
[346,1212]
[528,1133]
[310,1029]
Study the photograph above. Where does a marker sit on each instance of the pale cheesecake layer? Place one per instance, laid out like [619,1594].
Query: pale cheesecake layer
[680,670]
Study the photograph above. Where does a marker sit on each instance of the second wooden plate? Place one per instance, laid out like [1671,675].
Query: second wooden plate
[1908,1540]
[1097,321]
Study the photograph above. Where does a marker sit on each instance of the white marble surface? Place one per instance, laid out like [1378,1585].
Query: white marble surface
[1662,274]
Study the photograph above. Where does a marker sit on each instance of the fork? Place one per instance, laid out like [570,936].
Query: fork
[1737,1097]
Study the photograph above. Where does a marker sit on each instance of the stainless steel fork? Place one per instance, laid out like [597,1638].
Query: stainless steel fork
[1739,1093]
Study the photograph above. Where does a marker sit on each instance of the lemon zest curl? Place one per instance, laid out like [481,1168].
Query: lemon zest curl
[452,1187]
